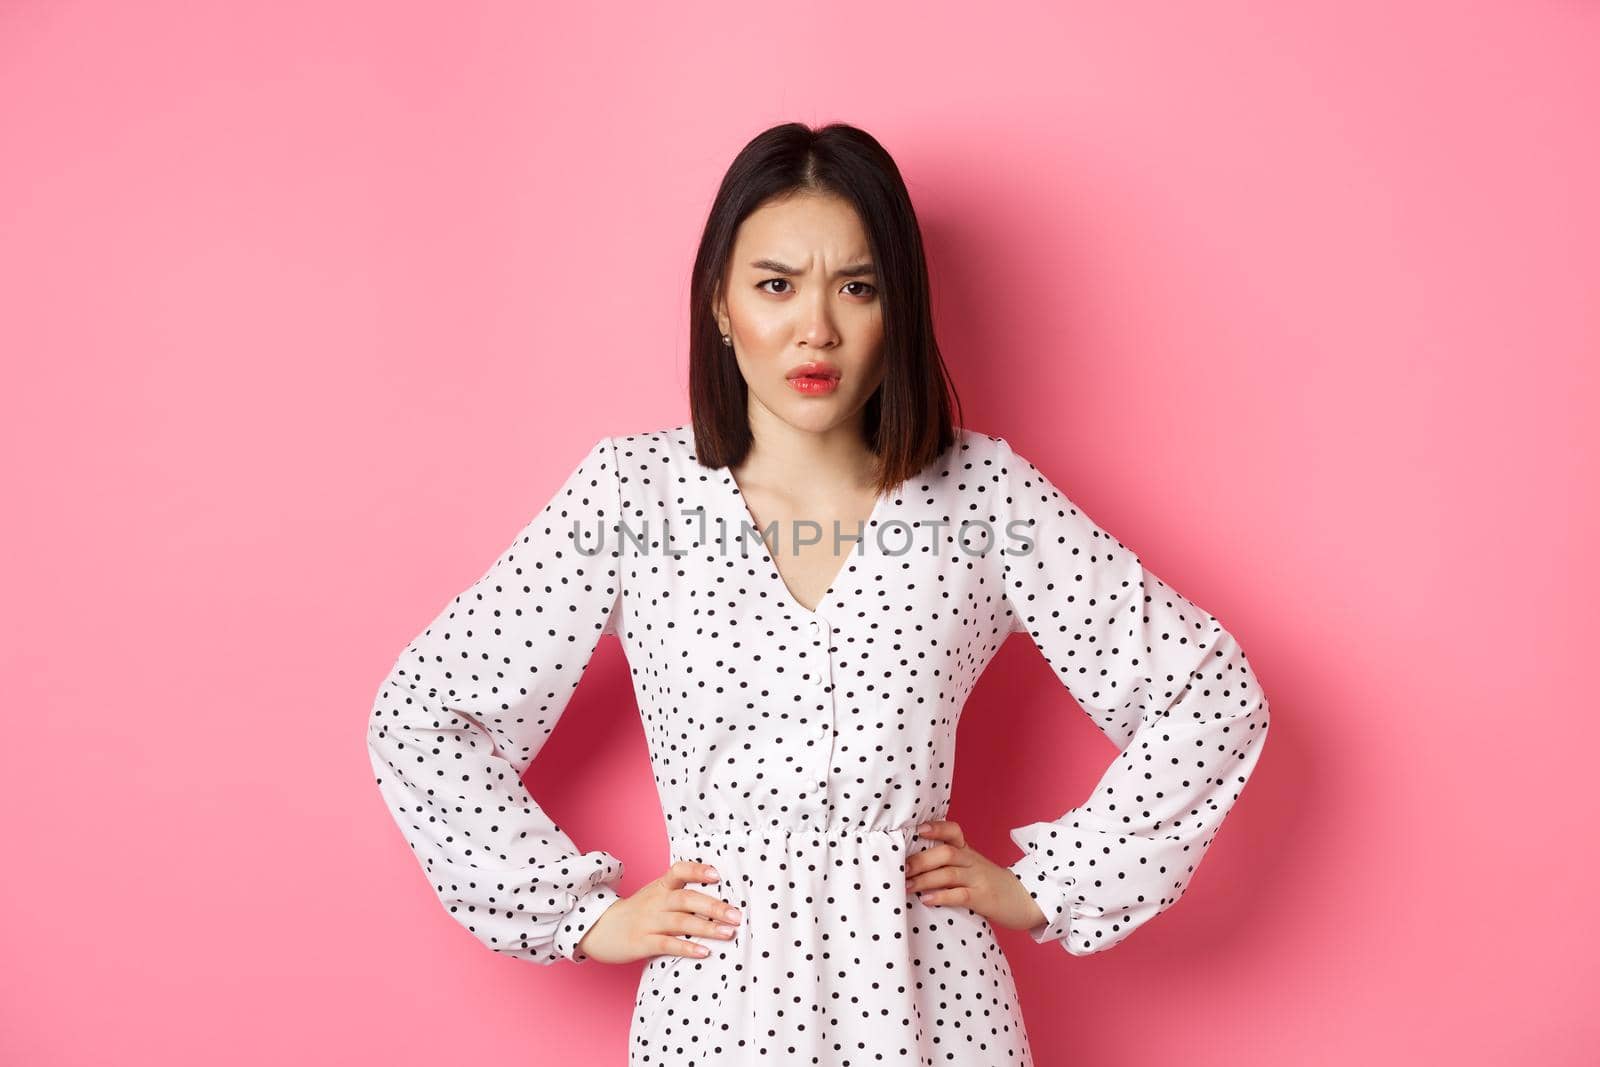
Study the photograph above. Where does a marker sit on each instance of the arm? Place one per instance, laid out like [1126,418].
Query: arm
[1163,680]
[470,702]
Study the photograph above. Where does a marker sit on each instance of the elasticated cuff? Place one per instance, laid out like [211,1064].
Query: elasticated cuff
[1053,897]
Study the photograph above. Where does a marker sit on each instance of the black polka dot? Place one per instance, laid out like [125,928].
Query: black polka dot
[797,749]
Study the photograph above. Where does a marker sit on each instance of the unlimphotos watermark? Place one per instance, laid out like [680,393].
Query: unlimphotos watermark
[892,537]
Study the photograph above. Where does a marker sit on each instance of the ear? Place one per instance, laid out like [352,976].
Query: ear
[719,310]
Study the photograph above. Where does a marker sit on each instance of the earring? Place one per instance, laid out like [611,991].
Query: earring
[727,340]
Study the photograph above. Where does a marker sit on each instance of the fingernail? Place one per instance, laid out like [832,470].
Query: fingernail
[701,950]
[924,828]
[732,914]
[711,872]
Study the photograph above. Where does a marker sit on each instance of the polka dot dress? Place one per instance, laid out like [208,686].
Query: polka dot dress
[797,749]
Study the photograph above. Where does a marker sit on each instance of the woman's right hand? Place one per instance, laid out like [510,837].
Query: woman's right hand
[652,921]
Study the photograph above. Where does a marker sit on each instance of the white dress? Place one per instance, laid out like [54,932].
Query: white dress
[796,750]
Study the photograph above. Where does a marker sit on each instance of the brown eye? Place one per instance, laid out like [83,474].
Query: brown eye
[870,288]
[769,281]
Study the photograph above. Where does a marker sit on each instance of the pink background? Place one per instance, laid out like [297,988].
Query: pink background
[308,307]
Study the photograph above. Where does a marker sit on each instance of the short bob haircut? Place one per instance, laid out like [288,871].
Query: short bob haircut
[907,421]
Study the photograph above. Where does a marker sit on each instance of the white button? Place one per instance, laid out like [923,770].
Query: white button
[816,679]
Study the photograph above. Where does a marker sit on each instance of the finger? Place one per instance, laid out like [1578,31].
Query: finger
[668,945]
[919,862]
[691,925]
[685,871]
[941,878]
[947,830]
[938,856]
[703,904]
[958,894]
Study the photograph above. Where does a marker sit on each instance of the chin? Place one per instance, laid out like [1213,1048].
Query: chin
[819,416]
[813,415]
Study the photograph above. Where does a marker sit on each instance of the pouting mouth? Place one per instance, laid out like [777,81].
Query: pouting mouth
[811,370]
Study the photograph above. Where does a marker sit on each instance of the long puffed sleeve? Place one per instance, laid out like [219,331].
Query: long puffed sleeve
[1163,680]
[473,698]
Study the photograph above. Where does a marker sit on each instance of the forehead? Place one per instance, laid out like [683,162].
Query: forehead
[799,227]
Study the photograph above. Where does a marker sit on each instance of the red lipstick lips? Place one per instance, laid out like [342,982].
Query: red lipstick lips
[816,378]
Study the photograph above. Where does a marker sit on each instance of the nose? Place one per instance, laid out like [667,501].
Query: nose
[818,331]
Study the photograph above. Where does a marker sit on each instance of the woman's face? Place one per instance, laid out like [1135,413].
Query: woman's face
[801,288]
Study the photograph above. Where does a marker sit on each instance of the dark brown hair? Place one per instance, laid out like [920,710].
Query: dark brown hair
[908,419]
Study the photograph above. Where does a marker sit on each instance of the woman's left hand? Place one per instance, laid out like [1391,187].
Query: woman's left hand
[953,873]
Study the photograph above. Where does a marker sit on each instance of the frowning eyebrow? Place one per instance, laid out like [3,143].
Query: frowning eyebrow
[854,270]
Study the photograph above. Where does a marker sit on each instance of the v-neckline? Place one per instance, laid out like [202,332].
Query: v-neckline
[857,551]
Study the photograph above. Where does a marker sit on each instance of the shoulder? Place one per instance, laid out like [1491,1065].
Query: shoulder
[637,447]
[665,439]
[657,467]
[1004,456]
[1015,475]
[643,449]
[614,456]
[978,448]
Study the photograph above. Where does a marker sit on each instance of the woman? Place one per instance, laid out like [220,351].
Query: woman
[801,705]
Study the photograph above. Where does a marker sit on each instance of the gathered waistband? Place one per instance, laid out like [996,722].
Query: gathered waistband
[780,876]
[896,839]
[903,831]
